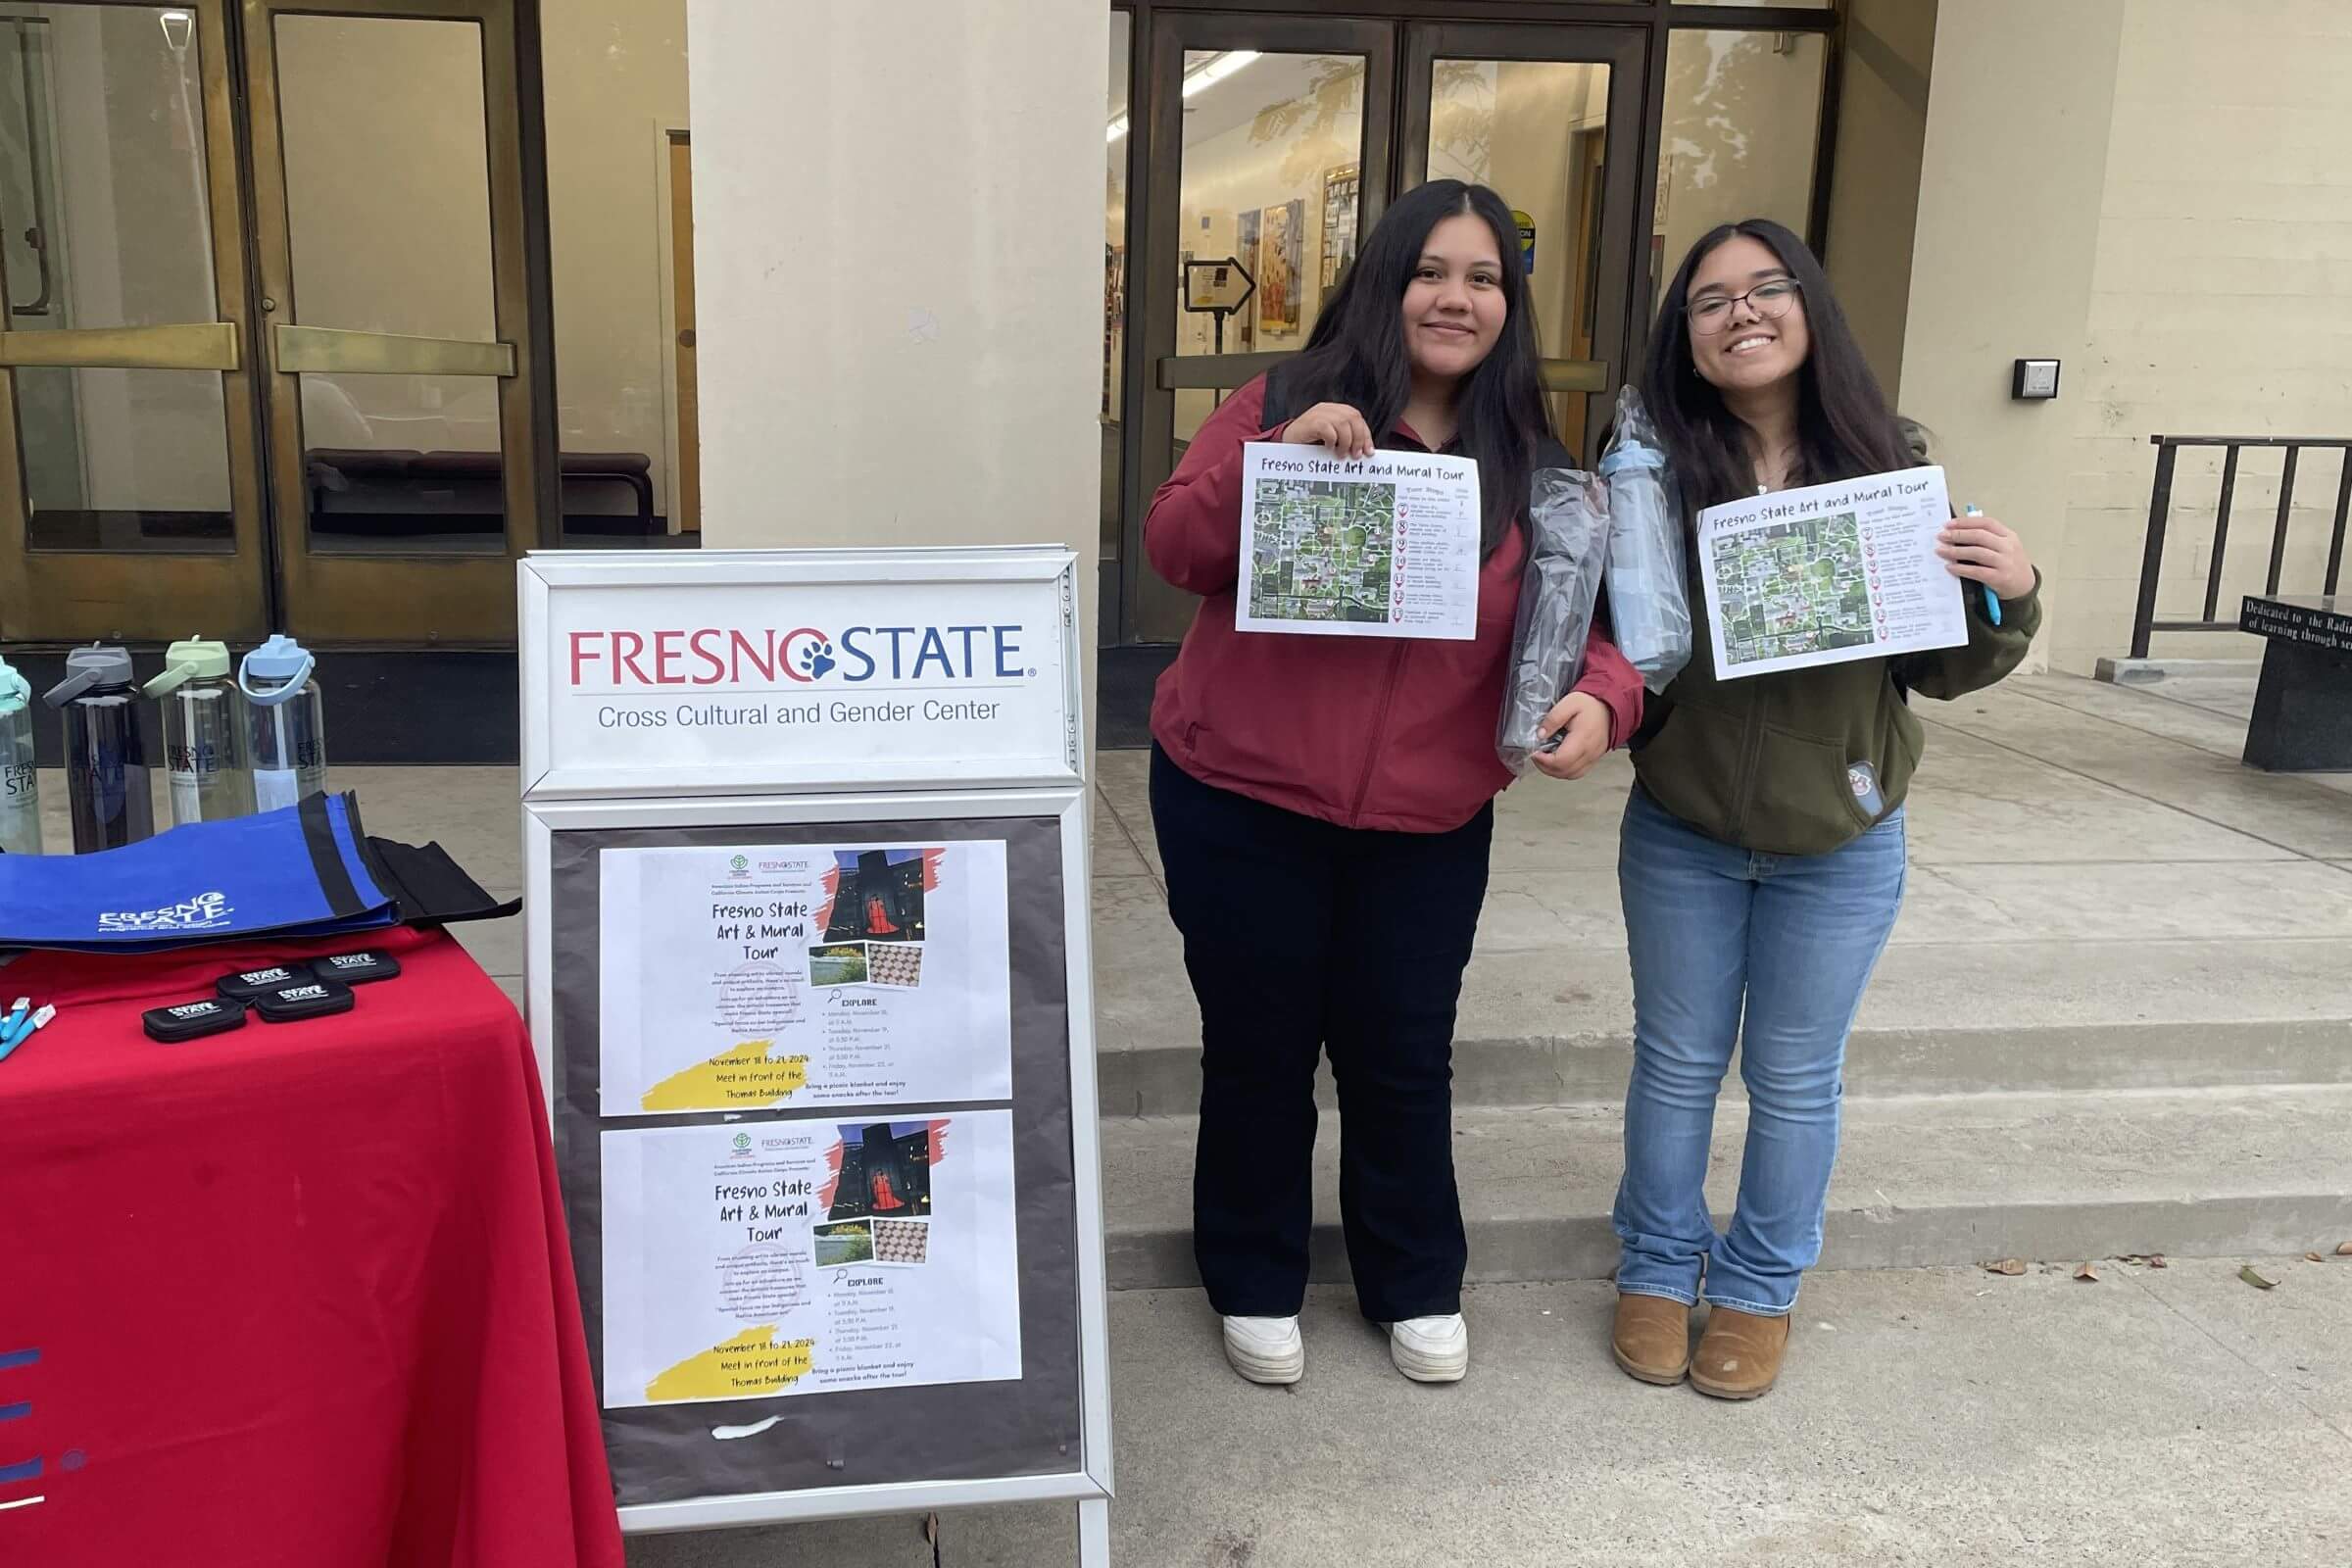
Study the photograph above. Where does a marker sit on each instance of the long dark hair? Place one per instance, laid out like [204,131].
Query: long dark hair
[1357,356]
[1844,425]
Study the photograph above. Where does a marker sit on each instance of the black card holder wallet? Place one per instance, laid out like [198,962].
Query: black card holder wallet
[193,1020]
[356,968]
[251,983]
[312,998]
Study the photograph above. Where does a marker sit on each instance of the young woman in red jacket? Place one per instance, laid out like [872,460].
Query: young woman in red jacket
[1324,804]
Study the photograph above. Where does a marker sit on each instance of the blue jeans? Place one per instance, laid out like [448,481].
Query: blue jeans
[1712,927]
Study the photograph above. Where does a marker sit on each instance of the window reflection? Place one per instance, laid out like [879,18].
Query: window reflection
[1537,132]
[1743,110]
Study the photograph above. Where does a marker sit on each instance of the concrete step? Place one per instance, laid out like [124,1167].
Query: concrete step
[1921,1182]
[1556,1027]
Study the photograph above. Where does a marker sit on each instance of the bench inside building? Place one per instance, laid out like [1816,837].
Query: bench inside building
[2303,708]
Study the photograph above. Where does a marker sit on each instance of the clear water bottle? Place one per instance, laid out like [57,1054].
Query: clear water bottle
[286,722]
[106,759]
[20,781]
[205,751]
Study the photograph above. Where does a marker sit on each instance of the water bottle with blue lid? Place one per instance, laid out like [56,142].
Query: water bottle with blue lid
[287,721]
[19,780]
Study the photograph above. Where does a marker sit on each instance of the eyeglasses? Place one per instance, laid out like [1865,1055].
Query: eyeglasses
[1769,301]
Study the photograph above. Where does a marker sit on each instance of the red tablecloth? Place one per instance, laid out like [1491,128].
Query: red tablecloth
[298,1295]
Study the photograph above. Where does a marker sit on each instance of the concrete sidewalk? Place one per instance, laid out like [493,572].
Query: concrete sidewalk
[1945,1419]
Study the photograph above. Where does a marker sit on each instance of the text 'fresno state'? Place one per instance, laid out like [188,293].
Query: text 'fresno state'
[714,655]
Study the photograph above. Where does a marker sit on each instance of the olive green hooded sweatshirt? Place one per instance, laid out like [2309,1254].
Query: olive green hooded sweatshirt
[1805,760]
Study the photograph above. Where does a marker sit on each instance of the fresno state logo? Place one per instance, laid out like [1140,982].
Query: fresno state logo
[807,653]
[619,661]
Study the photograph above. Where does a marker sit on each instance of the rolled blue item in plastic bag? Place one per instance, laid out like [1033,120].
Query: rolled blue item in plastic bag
[306,870]
[1649,600]
[1568,528]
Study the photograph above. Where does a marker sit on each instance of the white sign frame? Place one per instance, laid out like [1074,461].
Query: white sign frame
[583,796]
[1031,574]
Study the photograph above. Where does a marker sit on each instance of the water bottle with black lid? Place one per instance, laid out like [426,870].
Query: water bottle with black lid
[106,758]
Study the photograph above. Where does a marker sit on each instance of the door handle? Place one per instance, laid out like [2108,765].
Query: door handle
[181,346]
[347,353]
[1574,375]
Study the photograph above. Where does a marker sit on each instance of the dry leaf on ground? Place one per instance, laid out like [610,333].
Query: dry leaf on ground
[2010,1266]
[2156,1260]
[2084,1271]
[2254,1277]
[2313,1258]
[2344,1249]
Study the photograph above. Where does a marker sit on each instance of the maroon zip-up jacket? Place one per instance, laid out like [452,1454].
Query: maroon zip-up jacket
[1367,732]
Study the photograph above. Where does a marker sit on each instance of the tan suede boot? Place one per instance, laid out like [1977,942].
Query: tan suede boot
[1652,1338]
[1739,1355]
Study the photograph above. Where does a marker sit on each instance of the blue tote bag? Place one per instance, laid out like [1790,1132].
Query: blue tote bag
[305,870]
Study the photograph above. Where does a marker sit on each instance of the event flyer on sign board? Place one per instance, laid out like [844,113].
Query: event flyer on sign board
[1384,546]
[803,1256]
[754,976]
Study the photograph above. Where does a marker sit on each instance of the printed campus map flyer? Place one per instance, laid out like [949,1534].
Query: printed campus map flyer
[1828,573]
[760,1258]
[753,976]
[1385,545]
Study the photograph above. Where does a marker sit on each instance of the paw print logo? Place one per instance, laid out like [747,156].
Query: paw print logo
[817,657]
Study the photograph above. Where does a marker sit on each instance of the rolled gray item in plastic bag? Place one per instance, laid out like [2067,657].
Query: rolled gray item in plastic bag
[1649,603]
[1568,528]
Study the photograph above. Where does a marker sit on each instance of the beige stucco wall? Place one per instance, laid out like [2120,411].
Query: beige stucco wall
[2164,201]
[898,290]
[2011,179]
[2217,306]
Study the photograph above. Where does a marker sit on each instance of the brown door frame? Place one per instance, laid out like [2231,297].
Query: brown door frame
[81,595]
[372,598]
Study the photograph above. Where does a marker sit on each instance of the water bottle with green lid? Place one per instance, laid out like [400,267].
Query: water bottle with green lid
[20,781]
[287,722]
[205,749]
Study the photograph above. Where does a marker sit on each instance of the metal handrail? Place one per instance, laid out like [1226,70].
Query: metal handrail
[2144,623]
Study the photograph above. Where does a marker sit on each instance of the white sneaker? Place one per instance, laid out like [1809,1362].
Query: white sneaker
[1431,1349]
[1265,1349]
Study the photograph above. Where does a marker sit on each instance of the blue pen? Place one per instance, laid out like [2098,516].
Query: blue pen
[26,1031]
[1992,601]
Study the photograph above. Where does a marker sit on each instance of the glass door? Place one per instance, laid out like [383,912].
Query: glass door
[306,405]
[1268,154]
[1550,118]
[388,219]
[1272,143]
[130,487]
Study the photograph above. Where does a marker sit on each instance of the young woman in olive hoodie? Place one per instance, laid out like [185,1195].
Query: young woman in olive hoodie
[1762,857]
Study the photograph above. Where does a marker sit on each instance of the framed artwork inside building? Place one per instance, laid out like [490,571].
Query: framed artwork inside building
[1280,244]
[1246,243]
[1339,221]
[1114,320]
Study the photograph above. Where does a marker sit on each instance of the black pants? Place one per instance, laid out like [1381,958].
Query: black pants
[1300,935]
